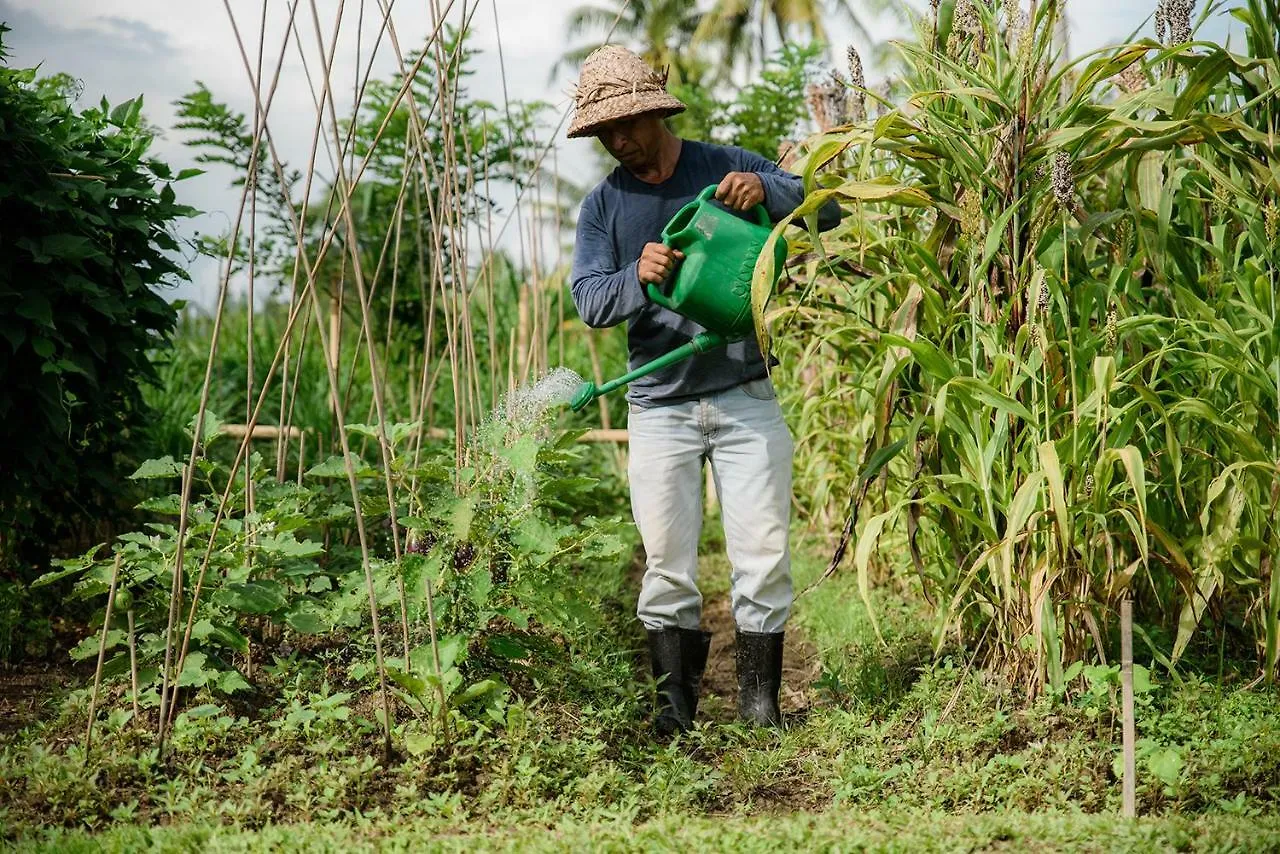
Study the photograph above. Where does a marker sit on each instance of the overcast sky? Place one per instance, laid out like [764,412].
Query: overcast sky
[160,48]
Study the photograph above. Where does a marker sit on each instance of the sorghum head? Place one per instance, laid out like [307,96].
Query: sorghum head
[1063,179]
[1174,17]
[971,212]
[857,97]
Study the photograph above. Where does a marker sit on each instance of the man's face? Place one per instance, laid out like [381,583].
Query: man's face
[634,142]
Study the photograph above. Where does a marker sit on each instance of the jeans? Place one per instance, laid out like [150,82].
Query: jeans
[742,433]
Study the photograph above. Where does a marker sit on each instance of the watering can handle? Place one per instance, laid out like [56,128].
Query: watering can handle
[762,215]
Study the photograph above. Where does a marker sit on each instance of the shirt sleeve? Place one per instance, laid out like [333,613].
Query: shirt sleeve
[605,290]
[783,191]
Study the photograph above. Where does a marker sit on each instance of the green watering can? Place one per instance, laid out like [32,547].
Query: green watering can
[711,286]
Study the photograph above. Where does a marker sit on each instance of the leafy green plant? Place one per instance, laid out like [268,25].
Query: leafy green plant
[85,250]
[760,115]
[480,589]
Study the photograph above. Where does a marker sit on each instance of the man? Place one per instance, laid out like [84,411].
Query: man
[718,406]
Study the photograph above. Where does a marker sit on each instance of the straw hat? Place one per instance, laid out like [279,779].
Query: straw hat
[616,84]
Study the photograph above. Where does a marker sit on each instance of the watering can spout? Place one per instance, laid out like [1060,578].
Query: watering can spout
[700,343]
[586,393]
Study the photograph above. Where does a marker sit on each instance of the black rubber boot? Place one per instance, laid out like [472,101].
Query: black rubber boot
[759,677]
[678,658]
[674,712]
[694,647]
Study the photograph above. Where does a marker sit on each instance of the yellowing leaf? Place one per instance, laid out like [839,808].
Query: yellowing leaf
[1057,490]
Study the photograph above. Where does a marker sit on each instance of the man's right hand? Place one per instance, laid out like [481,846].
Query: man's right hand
[656,263]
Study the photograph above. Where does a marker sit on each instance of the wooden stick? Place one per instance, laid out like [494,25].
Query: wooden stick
[1128,810]
[435,655]
[133,664]
[102,654]
[260,431]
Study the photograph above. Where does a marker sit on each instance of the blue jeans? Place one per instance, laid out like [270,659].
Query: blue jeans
[742,433]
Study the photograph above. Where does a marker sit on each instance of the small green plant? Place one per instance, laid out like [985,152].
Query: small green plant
[475,570]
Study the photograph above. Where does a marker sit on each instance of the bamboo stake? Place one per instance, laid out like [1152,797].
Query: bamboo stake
[363,538]
[102,655]
[252,180]
[435,654]
[133,663]
[308,289]
[1129,808]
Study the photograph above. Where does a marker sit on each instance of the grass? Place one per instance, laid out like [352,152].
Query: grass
[835,830]
[897,753]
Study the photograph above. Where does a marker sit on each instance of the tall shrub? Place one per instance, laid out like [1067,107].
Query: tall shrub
[84,248]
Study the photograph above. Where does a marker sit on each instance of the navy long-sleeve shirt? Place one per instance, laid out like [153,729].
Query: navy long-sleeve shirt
[618,217]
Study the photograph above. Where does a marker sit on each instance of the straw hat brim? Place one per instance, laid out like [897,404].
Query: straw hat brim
[588,118]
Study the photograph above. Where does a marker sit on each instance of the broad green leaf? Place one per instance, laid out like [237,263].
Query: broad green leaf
[307,619]
[1142,680]
[232,682]
[414,684]
[254,597]
[522,456]
[228,636]
[484,689]
[152,469]
[195,673]
[88,647]
[461,513]
[1165,764]
[286,546]
[335,467]
[506,646]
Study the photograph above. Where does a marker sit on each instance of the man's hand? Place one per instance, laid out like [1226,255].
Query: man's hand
[741,191]
[656,262]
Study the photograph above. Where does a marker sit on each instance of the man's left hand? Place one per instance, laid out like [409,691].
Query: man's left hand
[741,191]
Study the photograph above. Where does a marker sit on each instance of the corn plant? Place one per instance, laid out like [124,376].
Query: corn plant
[1052,313]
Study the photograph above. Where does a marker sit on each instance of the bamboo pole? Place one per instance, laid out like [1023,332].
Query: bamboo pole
[133,663]
[1129,808]
[102,654]
[260,431]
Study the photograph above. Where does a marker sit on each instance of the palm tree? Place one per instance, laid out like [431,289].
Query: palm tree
[741,27]
[661,31]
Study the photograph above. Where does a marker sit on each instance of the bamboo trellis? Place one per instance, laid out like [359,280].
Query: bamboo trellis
[432,190]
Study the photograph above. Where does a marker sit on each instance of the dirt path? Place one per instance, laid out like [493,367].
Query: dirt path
[26,692]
